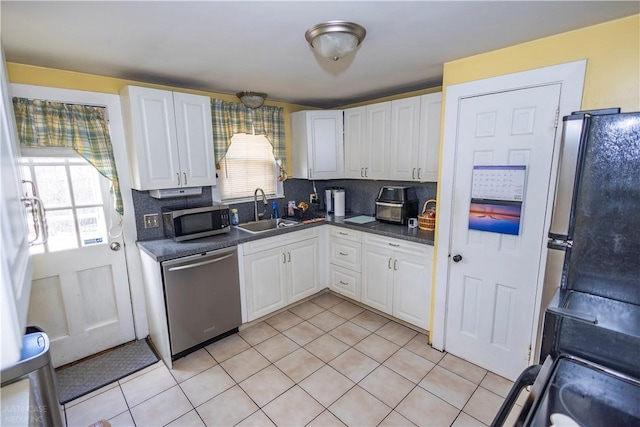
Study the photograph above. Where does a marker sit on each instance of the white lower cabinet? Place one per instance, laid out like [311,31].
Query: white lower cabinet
[279,271]
[344,261]
[396,278]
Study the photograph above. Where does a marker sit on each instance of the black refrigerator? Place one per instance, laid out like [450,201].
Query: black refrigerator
[590,354]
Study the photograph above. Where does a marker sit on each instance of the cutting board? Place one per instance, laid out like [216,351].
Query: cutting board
[360,219]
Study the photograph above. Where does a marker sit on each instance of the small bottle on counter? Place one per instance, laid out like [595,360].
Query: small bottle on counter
[275,213]
[234,217]
[291,208]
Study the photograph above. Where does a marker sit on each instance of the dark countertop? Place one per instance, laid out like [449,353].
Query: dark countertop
[166,249]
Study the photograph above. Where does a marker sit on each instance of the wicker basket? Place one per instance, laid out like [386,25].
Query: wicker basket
[424,222]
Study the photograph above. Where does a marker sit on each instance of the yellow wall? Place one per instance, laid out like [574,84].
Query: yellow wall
[612,50]
[40,76]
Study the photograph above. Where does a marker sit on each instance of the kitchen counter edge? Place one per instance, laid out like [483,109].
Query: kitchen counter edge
[167,249]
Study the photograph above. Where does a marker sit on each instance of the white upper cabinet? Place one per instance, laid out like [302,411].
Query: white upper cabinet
[415,138]
[317,147]
[429,147]
[170,138]
[405,139]
[366,141]
[356,149]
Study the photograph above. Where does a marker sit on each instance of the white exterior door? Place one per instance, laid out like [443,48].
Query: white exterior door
[80,290]
[492,289]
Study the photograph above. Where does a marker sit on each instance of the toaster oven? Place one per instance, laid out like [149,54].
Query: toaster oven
[396,204]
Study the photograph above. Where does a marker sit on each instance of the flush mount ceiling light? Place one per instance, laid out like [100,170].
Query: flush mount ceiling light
[252,99]
[335,39]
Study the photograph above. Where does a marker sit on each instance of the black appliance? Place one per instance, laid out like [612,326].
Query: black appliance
[590,368]
[194,223]
[396,204]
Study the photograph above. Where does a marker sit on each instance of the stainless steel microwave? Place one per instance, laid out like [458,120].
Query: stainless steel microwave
[194,223]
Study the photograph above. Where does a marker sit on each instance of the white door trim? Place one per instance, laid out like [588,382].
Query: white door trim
[571,77]
[116,128]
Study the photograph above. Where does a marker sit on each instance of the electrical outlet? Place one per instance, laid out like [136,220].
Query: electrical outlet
[313,198]
[151,221]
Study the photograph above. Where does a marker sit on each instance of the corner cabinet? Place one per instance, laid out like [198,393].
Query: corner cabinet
[396,278]
[170,138]
[280,270]
[415,138]
[317,147]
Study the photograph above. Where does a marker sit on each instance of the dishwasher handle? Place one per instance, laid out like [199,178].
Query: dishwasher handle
[199,264]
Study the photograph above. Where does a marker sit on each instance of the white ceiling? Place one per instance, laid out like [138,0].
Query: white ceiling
[229,46]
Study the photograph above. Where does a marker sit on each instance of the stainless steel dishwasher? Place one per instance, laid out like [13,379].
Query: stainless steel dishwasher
[202,293]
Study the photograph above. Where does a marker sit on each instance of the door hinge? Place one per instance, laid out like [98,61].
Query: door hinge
[557,119]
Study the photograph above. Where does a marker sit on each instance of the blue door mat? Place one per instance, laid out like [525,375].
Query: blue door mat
[91,374]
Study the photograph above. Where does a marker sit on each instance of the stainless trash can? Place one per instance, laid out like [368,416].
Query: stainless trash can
[35,365]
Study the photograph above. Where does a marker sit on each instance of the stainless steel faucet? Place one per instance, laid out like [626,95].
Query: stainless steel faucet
[259,216]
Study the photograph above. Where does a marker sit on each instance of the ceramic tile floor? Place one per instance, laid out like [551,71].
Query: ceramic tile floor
[325,362]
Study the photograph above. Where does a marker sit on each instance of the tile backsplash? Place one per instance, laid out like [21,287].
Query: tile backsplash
[360,198]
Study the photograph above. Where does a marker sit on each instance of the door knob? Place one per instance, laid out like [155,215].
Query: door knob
[457,258]
[115,246]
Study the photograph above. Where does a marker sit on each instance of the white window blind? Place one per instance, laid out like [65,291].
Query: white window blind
[248,164]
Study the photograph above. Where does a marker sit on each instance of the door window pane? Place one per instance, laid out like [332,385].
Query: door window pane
[84,180]
[62,230]
[92,226]
[53,186]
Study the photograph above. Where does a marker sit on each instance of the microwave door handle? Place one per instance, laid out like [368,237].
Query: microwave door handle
[199,264]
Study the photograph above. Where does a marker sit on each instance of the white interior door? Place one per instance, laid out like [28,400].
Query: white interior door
[492,289]
[80,291]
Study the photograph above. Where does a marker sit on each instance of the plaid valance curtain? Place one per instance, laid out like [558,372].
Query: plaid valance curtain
[83,128]
[230,118]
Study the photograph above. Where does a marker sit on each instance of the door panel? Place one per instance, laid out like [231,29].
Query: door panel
[377,278]
[266,282]
[303,274]
[412,289]
[355,147]
[378,136]
[492,289]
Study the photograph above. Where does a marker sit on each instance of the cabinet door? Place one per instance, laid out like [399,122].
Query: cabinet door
[345,253]
[377,278]
[303,269]
[378,135]
[195,139]
[428,157]
[405,132]
[265,282]
[326,148]
[412,289]
[152,131]
[355,146]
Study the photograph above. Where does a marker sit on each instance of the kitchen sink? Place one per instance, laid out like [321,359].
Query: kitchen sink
[266,225]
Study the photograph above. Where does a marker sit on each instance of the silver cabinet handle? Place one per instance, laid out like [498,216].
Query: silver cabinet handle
[178,173]
[199,264]
[185,178]
[343,283]
[361,172]
[413,173]
[343,254]
[343,233]
[395,265]
[310,174]
[366,172]
[289,255]
[284,258]
[394,245]
[389,265]
[419,169]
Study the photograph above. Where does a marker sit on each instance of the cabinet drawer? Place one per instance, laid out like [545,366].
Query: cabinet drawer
[345,253]
[267,243]
[345,282]
[346,233]
[398,245]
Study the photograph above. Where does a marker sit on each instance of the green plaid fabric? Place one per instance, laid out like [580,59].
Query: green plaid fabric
[229,118]
[53,124]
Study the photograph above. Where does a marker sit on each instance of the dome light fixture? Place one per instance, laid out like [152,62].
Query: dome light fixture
[335,39]
[251,99]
